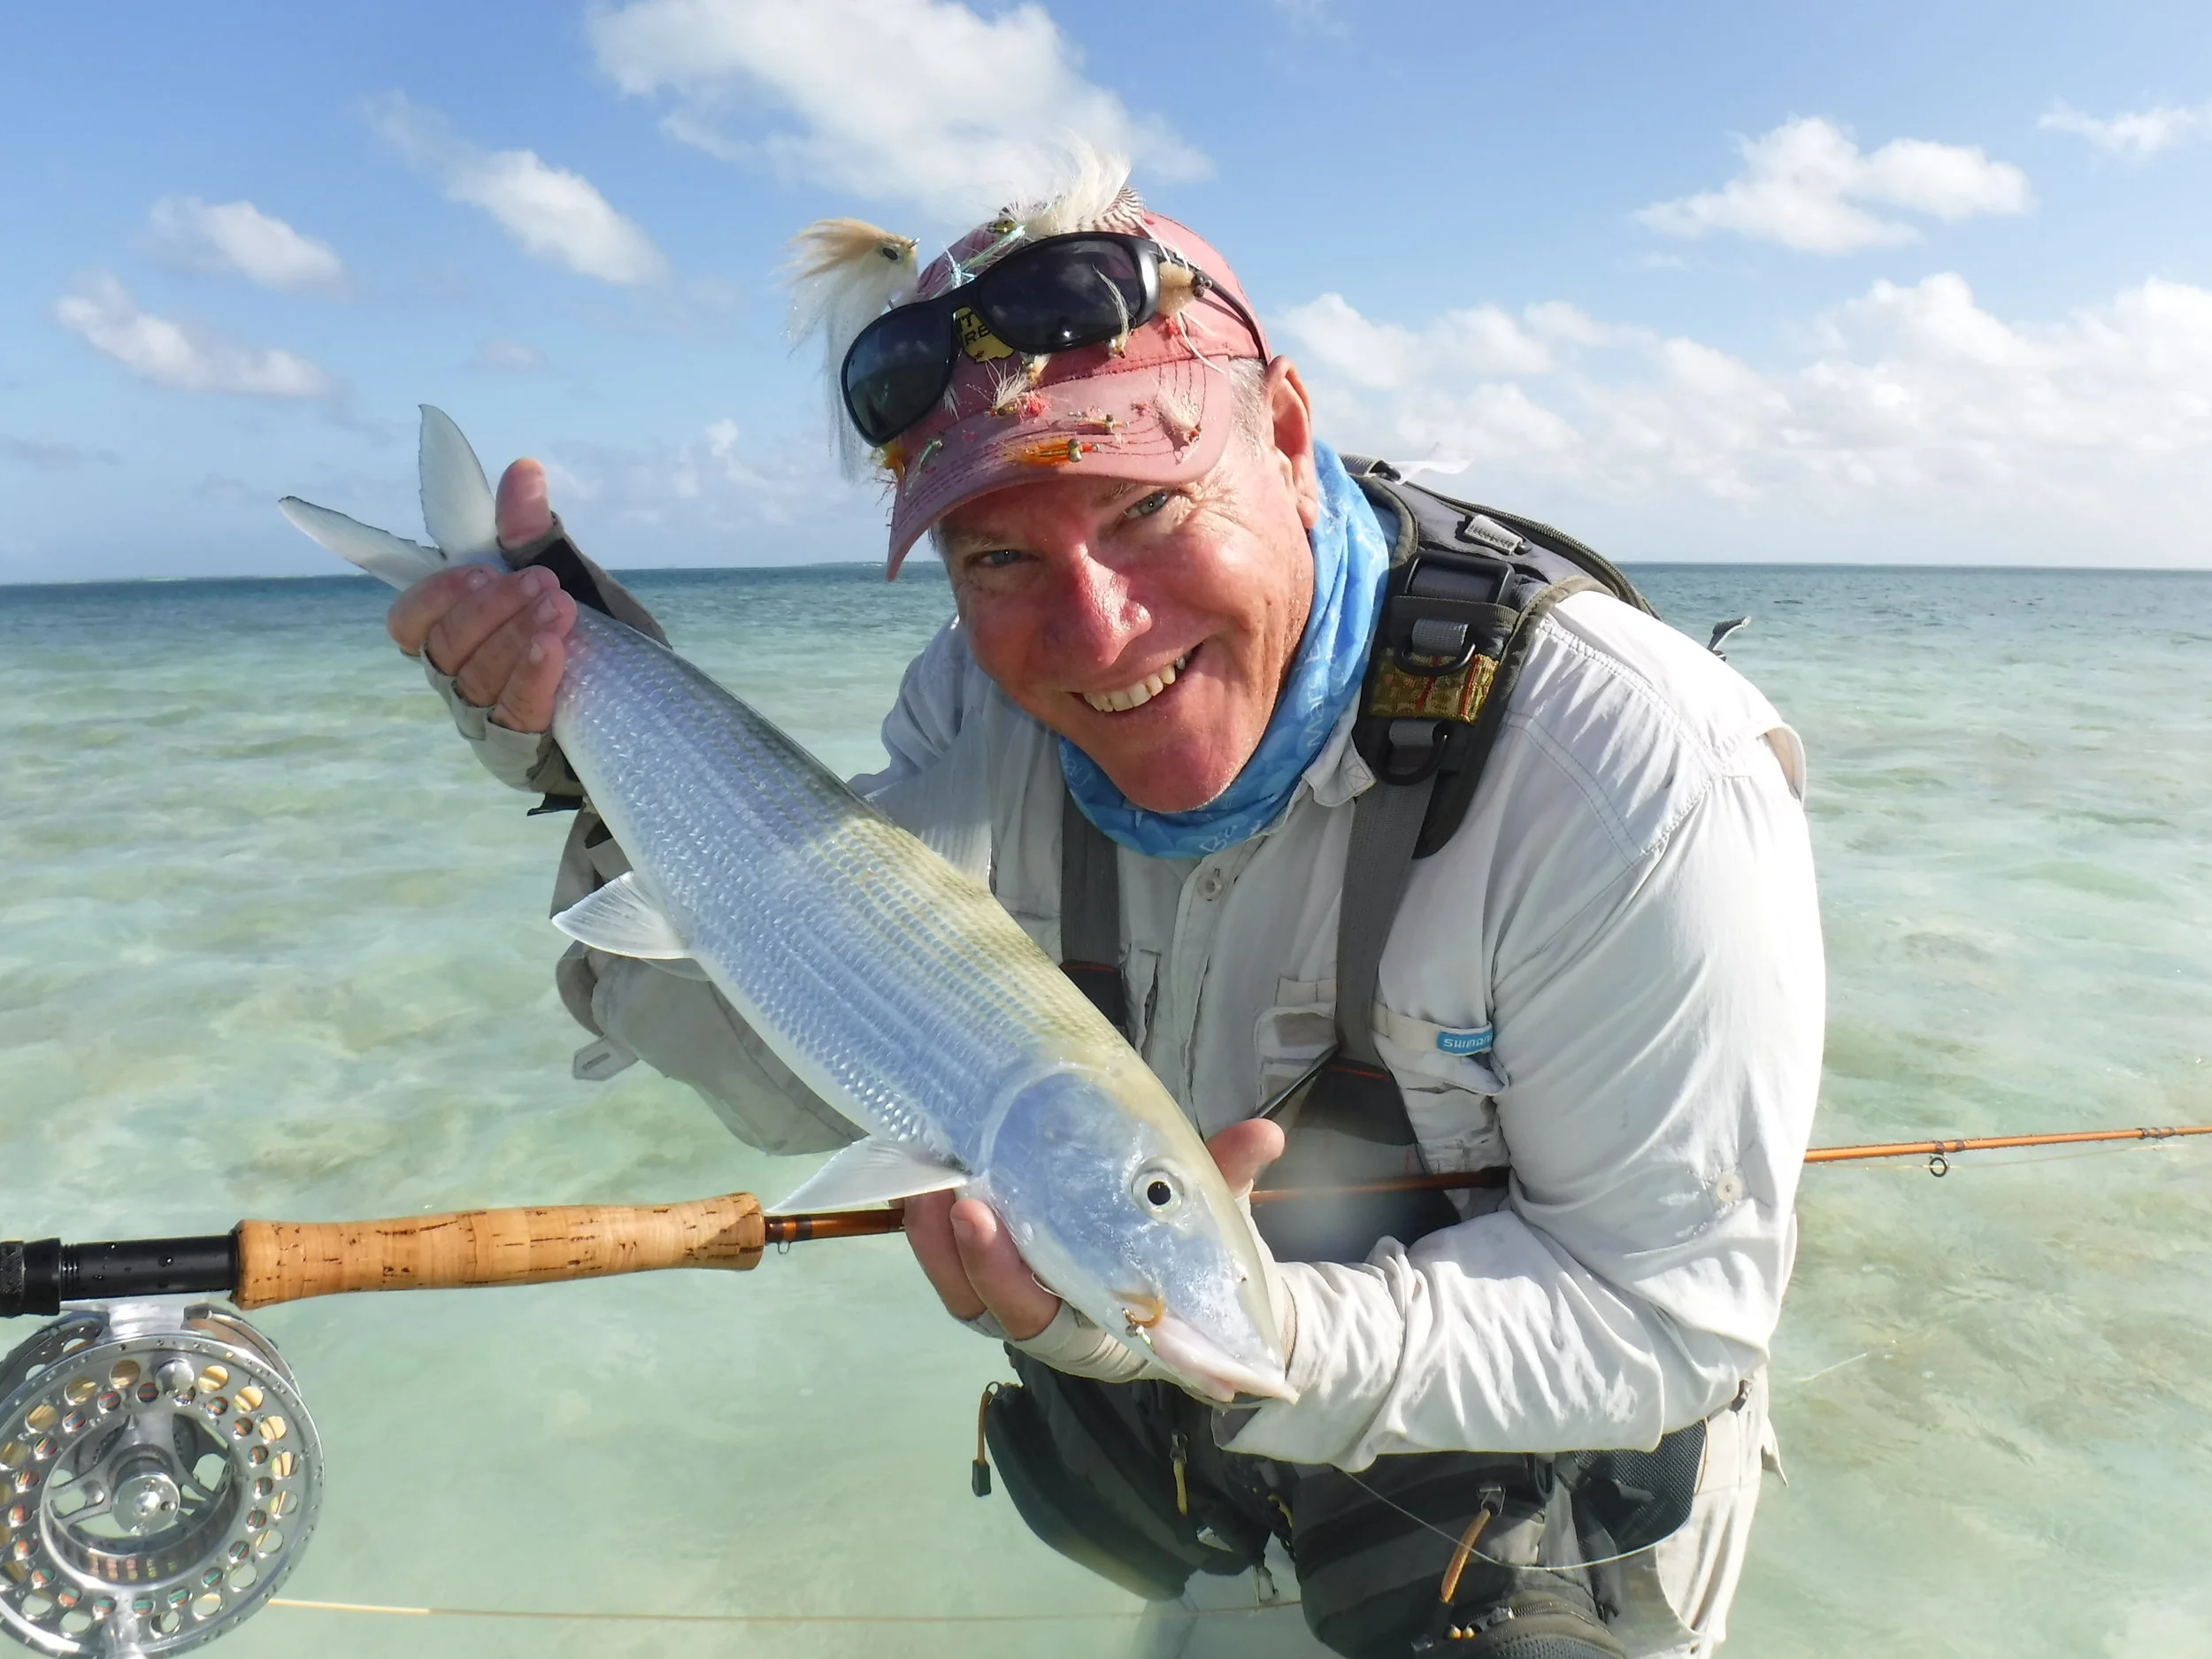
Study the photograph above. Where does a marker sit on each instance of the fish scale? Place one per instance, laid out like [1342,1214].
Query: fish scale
[838,968]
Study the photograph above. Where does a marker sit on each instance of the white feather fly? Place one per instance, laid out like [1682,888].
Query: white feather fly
[1092,193]
[842,274]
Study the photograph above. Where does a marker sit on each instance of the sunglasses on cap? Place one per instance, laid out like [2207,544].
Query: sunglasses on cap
[1079,289]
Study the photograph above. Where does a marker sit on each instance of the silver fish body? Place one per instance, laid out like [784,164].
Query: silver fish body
[898,989]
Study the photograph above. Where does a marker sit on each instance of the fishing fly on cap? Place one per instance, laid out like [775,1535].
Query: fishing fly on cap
[1079,326]
[844,273]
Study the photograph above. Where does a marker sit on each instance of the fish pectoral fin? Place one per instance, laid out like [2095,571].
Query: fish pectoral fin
[624,918]
[873,1172]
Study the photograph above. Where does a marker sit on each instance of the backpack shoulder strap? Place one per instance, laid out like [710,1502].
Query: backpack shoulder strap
[1467,586]
[1090,913]
[1447,522]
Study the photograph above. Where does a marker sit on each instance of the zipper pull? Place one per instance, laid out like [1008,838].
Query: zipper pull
[1179,1448]
[979,1471]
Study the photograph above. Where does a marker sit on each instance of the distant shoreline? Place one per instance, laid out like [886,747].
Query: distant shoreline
[928,571]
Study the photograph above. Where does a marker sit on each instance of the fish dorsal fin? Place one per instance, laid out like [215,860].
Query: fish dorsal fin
[624,918]
[873,1172]
[457,502]
[383,555]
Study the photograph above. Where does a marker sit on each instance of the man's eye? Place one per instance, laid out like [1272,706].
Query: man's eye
[1150,504]
[997,559]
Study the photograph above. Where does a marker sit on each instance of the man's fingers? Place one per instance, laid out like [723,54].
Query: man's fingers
[526,705]
[1243,1149]
[929,1235]
[523,511]
[476,617]
[488,678]
[419,609]
[996,1269]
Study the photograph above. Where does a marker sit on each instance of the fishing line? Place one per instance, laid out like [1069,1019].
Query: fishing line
[1997,1161]
[1797,1382]
[767,1618]
[1457,1540]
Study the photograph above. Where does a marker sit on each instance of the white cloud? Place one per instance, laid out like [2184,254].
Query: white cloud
[178,354]
[1806,186]
[2139,133]
[238,237]
[46,456]
[1914,423]
[1484,341]
[554,214]
[911,101]
[717,497]
[508,357]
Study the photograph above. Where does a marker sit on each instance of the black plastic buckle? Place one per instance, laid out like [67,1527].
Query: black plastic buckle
[1423,741]
[1445,613]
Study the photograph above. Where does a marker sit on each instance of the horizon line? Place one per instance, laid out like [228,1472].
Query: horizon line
[825,565]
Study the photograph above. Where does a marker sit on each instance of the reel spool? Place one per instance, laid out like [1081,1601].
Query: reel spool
[159,1477]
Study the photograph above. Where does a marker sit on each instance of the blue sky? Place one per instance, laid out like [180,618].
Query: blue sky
[1894,282]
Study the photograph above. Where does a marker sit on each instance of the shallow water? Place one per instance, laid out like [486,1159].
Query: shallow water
[271,946]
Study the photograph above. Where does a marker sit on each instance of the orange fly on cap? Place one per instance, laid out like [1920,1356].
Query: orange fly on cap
[1154,407]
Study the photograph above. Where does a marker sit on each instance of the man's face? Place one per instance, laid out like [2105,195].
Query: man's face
[1080,596]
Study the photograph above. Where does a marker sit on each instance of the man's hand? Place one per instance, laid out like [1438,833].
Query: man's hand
[502,637]
[973,1266]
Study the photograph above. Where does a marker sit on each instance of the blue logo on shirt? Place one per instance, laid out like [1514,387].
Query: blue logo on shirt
[1464,1041]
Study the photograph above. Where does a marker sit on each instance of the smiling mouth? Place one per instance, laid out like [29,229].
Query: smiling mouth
[1137,695]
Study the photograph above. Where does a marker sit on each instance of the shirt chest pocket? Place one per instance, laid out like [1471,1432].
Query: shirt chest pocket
[1289,1037]
[1446,1075]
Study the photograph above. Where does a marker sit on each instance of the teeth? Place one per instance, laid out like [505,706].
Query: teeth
[1137,695]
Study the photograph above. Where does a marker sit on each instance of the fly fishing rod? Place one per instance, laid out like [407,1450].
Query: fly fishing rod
[159,1472]
[262,1262]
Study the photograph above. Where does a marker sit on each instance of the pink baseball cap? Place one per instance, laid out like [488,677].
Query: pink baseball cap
[1158,411]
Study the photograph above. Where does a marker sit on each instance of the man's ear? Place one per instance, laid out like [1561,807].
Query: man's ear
[1290,411]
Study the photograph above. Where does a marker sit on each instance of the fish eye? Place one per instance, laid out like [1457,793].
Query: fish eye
[1157,1189]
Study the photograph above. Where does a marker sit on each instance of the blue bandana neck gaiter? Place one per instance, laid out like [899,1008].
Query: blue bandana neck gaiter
[1350,563]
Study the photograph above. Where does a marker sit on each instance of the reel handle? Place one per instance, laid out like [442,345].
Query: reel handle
[287,1260]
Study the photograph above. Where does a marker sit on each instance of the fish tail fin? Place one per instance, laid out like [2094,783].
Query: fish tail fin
[457,502]
[456,508]
[383,555]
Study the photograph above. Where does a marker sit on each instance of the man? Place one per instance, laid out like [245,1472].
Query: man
[1600,990]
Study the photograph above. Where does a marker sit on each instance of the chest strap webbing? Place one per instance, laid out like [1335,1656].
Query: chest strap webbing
[1378,863]
[1090,914]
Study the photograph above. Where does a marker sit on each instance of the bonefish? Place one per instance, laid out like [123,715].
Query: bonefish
[891,983]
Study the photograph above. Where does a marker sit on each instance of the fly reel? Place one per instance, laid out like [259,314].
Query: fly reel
[159,1477]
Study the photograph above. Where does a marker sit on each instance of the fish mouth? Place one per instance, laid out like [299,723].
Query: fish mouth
[1186,1351]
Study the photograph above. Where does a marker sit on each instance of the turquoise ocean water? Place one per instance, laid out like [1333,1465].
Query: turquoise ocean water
[271,946]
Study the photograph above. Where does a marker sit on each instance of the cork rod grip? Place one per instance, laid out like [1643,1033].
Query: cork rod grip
[285,1261]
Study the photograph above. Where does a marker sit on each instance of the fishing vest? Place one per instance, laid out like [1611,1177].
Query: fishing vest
[1467,586]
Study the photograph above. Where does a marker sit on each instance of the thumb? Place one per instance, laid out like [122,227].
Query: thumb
[522,513]
[1242,1150]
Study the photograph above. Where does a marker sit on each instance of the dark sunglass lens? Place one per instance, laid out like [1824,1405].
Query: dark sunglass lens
[1070,293]
[896,370]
